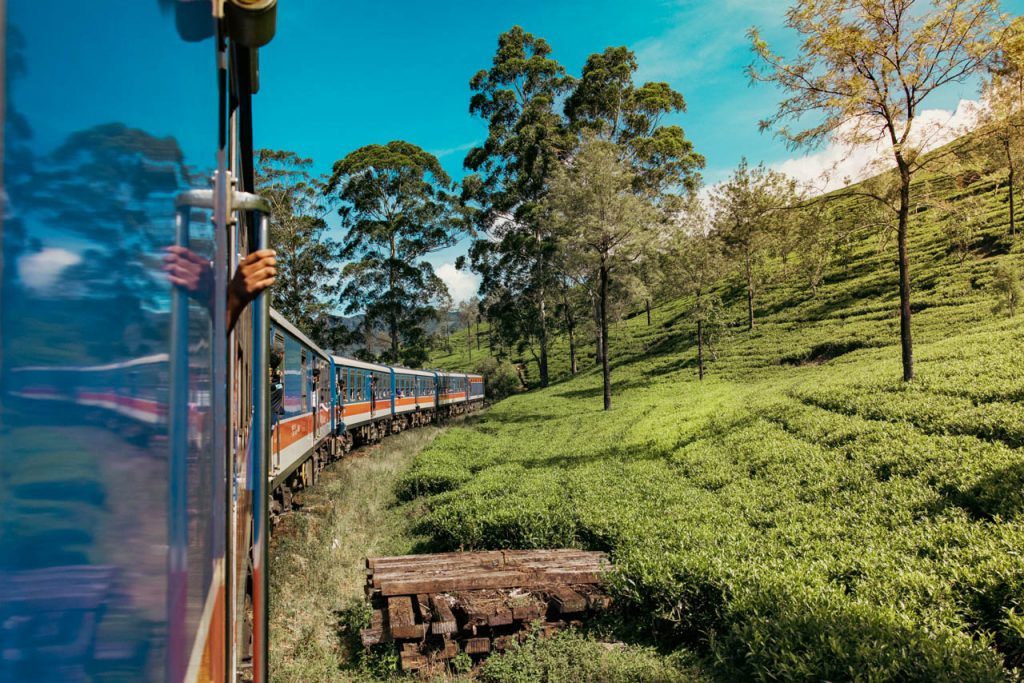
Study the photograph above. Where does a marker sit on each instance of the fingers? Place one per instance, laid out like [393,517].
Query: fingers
[258,256]
[177,252]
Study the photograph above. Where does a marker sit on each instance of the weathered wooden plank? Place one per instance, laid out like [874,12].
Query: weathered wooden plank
[444,621]
[502,643]
[567,601]
[427,573]
[374,562]
[375,633]
[412,661]
[482,580]
[371,636]
[477,646]
[422,605]
[401,620]
[500,618]
[448,649]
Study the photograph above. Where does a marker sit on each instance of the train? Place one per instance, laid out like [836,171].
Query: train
[150,427]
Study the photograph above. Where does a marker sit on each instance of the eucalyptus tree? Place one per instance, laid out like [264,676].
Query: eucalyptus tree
[593,203]
[307,257]
[526,141]
[396,207]
[748,209]
[606,103]
[864,70]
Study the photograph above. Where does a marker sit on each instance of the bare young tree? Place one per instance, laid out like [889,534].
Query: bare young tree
[864,69]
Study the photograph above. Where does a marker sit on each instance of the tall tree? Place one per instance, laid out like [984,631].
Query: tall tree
[307,257]
[865,68]
[747,212]
[396,208]
[592,200]
[525,142]
[606,103]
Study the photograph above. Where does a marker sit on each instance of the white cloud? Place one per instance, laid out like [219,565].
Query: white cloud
[841,162]
[701,40]
[462,284]
[41,270]
[448,151]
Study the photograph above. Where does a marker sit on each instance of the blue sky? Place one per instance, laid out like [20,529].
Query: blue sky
[342,75]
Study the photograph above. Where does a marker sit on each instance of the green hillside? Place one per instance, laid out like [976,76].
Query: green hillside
[802,513]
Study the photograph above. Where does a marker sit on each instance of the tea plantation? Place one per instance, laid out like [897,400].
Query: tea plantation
[801,514]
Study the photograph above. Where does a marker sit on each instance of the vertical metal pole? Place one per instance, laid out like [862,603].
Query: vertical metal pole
[177,490]
[260,464]
[219,391]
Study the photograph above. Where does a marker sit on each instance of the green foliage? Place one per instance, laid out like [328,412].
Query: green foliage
[526,140]
[462,663]
[1007,283]
[569,657]
[808,519]
[396,207]
[307,258]
[500,378]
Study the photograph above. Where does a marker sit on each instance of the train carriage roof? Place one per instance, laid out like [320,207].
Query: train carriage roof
[283,323]
[410,371]
[353,363]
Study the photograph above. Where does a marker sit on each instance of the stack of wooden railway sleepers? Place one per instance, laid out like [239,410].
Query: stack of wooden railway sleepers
[434,606]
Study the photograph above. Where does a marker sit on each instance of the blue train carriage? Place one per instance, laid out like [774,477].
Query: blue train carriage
[452,393]
[415,398]
[476,390]
[364,406]
[301,442]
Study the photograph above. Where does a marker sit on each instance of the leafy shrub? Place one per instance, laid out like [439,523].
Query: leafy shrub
[569,657]
[500,378]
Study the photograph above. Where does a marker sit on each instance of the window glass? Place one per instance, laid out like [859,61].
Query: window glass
[293,377]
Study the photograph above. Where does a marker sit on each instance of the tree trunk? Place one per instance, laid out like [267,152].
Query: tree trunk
[750,291]
[1009,163]
[469,340]
[906,342]
[600,336]
[393,321]
[700,349]
[700,337]
[570,326]
[543,363]
[647,304]
[604,335]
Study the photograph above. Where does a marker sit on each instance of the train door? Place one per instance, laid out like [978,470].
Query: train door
[277,366]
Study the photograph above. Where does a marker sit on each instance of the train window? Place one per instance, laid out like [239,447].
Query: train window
[277,370]
[294,377]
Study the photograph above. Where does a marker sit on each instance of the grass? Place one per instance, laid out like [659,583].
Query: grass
[317,578]
[317,573]
[802,514]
